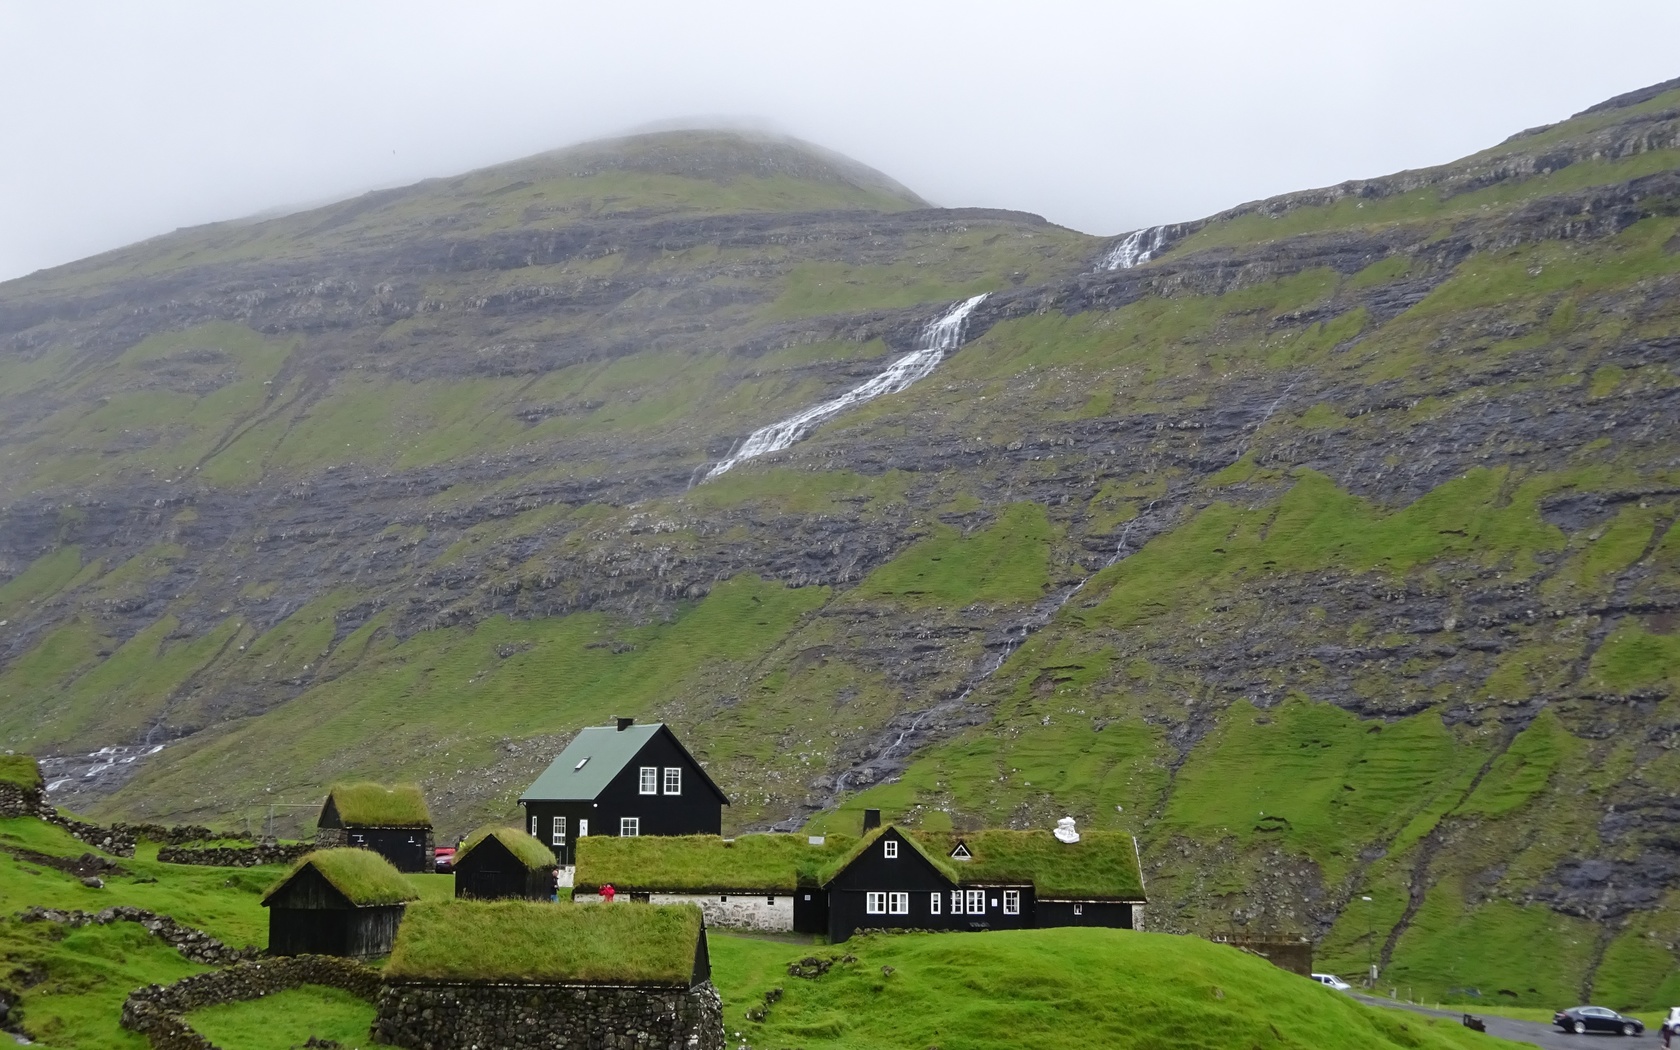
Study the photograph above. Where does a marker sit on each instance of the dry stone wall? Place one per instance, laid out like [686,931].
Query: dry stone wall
[158,1011]
[536,1017]
[772,912]
[196,945]
[236,856]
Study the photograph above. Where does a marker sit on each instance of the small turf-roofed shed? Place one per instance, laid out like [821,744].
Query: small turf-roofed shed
[392,821]
[337,902]
[503,862]
[521,973]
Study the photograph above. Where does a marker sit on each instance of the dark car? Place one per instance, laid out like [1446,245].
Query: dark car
[1580,1019]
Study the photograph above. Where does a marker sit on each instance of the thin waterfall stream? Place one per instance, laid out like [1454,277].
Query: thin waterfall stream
[940,337]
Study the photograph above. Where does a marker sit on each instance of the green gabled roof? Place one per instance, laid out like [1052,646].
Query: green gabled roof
[20,771]
[704,863]
[1102,864]
[365,878]
[525,849]
[537,942]
[377,806]
[940,862]
[593,758]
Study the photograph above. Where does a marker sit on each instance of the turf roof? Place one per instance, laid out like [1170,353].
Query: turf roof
[538,942]
[704,863]
[1100,864]
[378,806]
[20,770]
[940,861]
[364,877]
[527,850]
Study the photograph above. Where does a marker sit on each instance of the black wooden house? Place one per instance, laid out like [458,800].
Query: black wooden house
[391,821]
[624,779]
[337,902]
[503,862]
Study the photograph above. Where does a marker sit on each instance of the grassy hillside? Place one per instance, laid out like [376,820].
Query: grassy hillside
[1335,552]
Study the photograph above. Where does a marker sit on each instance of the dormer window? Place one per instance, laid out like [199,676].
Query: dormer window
[582,762]
[889,849]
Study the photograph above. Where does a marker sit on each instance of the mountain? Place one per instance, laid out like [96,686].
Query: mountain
[1328,543]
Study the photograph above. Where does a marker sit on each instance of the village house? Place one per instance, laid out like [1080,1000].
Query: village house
[391,821]
[575,975]
[503,862]
[337,902]
[621,780]
[889,878]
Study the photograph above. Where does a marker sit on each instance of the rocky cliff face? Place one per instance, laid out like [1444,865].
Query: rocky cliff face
[1331,550]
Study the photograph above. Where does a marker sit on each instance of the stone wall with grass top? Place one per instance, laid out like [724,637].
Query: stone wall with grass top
[426,1016]
[236,856]
[158,1011]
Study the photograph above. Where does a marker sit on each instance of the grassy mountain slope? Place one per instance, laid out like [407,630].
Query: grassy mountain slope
[1333,551]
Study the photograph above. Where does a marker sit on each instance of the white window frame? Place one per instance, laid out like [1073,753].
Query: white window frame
[977,902]
[875,903]
[533,825]
[935,901]
[583,827]
[673,780]
[650,781]
[956,902]
[1012,902]
[898,903]
[889,849]
[1078,908]
[629,827]
[557,832]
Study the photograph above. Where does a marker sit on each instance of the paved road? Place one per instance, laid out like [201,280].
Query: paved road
[1542,1035]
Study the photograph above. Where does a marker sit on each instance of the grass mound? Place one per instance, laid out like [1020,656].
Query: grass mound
[363,876]
[526,849]
[378,806]
[1051,989]
[527,941]
[20,771]
[705,863]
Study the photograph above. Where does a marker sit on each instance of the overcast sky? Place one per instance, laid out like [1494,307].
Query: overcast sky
[125,120]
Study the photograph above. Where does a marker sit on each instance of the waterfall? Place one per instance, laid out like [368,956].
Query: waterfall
[1138,248]
[938,338]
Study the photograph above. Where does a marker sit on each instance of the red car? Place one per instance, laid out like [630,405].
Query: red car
[443,859]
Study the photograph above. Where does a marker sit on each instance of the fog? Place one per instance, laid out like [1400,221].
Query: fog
[123,121]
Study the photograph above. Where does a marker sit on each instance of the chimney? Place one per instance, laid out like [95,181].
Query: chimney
[871,820]
[625,723]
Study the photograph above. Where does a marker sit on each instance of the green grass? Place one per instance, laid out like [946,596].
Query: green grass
[375,805]
[287,1019]
[705,863]
[1007,562]
[364,877]
[1050,989]
[530,941]
[1100,864]
[20,771]
[527,850]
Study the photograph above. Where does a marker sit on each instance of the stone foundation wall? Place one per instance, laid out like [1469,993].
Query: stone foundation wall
[767,912]
[235,856]
[329,838]
[157,1011]
[536,1017]
[20,802]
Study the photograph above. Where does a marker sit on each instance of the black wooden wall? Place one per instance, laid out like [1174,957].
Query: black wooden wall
[491,871]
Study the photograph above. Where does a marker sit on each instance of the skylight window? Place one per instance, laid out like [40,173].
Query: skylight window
[581,762]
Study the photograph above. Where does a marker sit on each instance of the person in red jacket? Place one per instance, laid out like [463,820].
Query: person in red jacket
[607,893]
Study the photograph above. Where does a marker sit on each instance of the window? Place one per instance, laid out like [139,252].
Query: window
[934,901]
[1079,909]
[889,849]
[582,762]
[673,780]
[875,903]
[769,900]
[583,826]
[1012,902]
[558,834]
[898,904]
[630,827]
[977,902]
[533,827]
[956,902]
[650,780]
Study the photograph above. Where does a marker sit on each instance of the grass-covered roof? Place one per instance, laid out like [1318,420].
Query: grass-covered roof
[526,849]
[20,771]
[538,942]
[704,863]
[1100,864]
[378,806]
[363,876]
[933,856]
